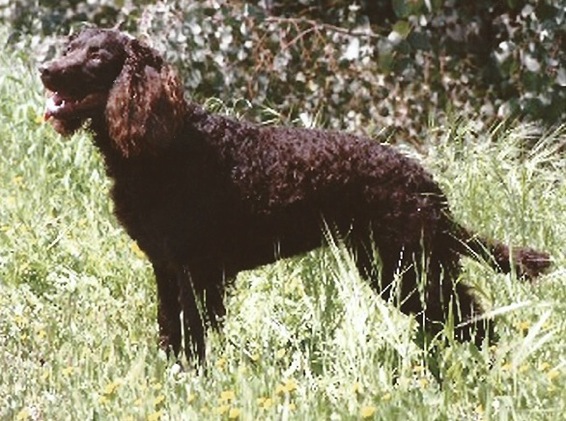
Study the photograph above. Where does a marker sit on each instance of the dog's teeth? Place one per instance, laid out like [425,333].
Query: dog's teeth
[53,104]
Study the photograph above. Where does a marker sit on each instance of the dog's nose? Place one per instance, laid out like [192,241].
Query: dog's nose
[44,69]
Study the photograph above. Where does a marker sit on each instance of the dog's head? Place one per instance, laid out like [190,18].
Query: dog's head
[80,80]
[107,74]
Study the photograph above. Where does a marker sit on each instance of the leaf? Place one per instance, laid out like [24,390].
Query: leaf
[405,8]
[403,28]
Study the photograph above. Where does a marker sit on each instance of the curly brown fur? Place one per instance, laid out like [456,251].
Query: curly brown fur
[206,196]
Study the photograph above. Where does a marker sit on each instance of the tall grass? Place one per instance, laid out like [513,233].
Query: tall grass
[304,338]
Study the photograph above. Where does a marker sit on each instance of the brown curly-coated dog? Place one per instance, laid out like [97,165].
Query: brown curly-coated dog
[206,196]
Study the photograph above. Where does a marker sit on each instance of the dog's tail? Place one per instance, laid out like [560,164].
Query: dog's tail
[524,261]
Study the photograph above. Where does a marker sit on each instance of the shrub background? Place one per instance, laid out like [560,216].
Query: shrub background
[304,338]
[386,67]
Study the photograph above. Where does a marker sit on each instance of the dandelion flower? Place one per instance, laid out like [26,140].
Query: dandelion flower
[523,368]
[222,409]
[158,400]
[227,396]
[24,414]
[286,387]
[523,326]
[234,413]
[156,416]
[367,411]
[221,363]
[552,374]
[290,385]
[110,388]
[137,250]
[544,366]
[357,388]
[67,371]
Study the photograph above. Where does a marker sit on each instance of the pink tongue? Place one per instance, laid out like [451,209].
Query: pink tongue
[54,103]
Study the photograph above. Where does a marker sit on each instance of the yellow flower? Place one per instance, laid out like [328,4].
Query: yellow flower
[157,386]
[290,385]
[544,366]
[221,363]
[23,415]
[234,413]
[367,411]
[292,406]
[137,250]
[227,396]
[265,403]
[386,397]
[418,369]
[222,409]
[506,367]
[158,400]
[357,388]
[280,354]
[287,386]
[523,326]
[552,374]
[523,367]
[110,388]
[423,382]
[67,371]
[20,320]
[156,416]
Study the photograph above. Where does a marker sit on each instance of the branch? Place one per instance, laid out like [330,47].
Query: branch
[317,26]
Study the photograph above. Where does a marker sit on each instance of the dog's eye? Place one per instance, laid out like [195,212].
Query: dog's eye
[93,51]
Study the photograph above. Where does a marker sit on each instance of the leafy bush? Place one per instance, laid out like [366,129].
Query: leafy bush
[392,64]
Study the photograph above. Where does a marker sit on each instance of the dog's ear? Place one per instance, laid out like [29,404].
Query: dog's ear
[146,104]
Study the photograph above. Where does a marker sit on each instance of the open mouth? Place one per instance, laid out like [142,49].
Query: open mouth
[62,106]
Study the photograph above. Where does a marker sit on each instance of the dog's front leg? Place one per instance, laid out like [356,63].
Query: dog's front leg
[202,301]
[168,309]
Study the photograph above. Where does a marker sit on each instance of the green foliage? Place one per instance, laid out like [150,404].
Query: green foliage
[388,66]
[304,338]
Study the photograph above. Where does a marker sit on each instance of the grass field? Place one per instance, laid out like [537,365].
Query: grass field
[304,339]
